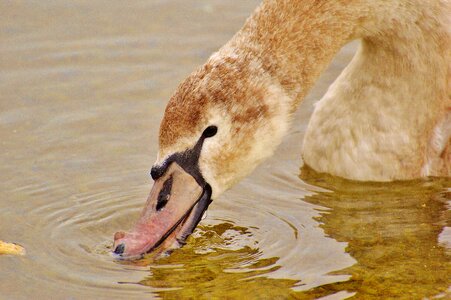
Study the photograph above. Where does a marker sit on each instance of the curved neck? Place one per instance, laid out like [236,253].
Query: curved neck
[296,40]
[391,100]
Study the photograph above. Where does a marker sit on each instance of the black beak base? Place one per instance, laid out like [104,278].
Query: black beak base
[195,215]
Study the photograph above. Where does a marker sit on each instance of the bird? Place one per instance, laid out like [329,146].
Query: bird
[387,117]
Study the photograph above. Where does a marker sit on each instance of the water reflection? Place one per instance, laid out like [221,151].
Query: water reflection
[392,230]
[220,261]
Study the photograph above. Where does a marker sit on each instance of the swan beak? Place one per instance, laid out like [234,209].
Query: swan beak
[174,207]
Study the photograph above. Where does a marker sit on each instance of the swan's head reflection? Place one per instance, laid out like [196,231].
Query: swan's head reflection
[393,231]
[221,261]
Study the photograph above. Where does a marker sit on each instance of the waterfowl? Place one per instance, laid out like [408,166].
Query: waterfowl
[386,117]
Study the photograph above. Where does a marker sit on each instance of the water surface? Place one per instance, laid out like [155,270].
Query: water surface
[83,86]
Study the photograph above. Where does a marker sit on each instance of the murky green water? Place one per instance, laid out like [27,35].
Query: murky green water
[83,85]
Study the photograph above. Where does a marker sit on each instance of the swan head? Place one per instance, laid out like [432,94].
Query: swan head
[222,121]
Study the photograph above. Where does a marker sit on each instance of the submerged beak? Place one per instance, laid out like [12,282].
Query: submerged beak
[174,207]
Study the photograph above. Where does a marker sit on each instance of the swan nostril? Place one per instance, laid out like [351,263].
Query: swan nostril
[119,249]
[164,195]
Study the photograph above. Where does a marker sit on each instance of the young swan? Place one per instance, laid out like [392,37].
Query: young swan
[387,117]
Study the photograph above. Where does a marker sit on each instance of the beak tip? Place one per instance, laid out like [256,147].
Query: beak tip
[119,249]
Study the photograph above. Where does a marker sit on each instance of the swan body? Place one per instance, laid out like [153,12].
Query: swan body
[386,117]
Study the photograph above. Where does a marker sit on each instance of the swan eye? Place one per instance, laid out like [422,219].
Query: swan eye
[210,131]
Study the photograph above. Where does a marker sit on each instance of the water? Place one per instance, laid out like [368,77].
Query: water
[83,87]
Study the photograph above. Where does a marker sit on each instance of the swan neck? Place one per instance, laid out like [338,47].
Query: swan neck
[295,41]
[295,46]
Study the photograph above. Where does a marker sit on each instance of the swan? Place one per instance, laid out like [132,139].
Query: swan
[386,117]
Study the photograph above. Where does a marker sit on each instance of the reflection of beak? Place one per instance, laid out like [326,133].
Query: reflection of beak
[174,208]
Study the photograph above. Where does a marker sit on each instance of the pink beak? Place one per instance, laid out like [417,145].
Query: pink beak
[174,207]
